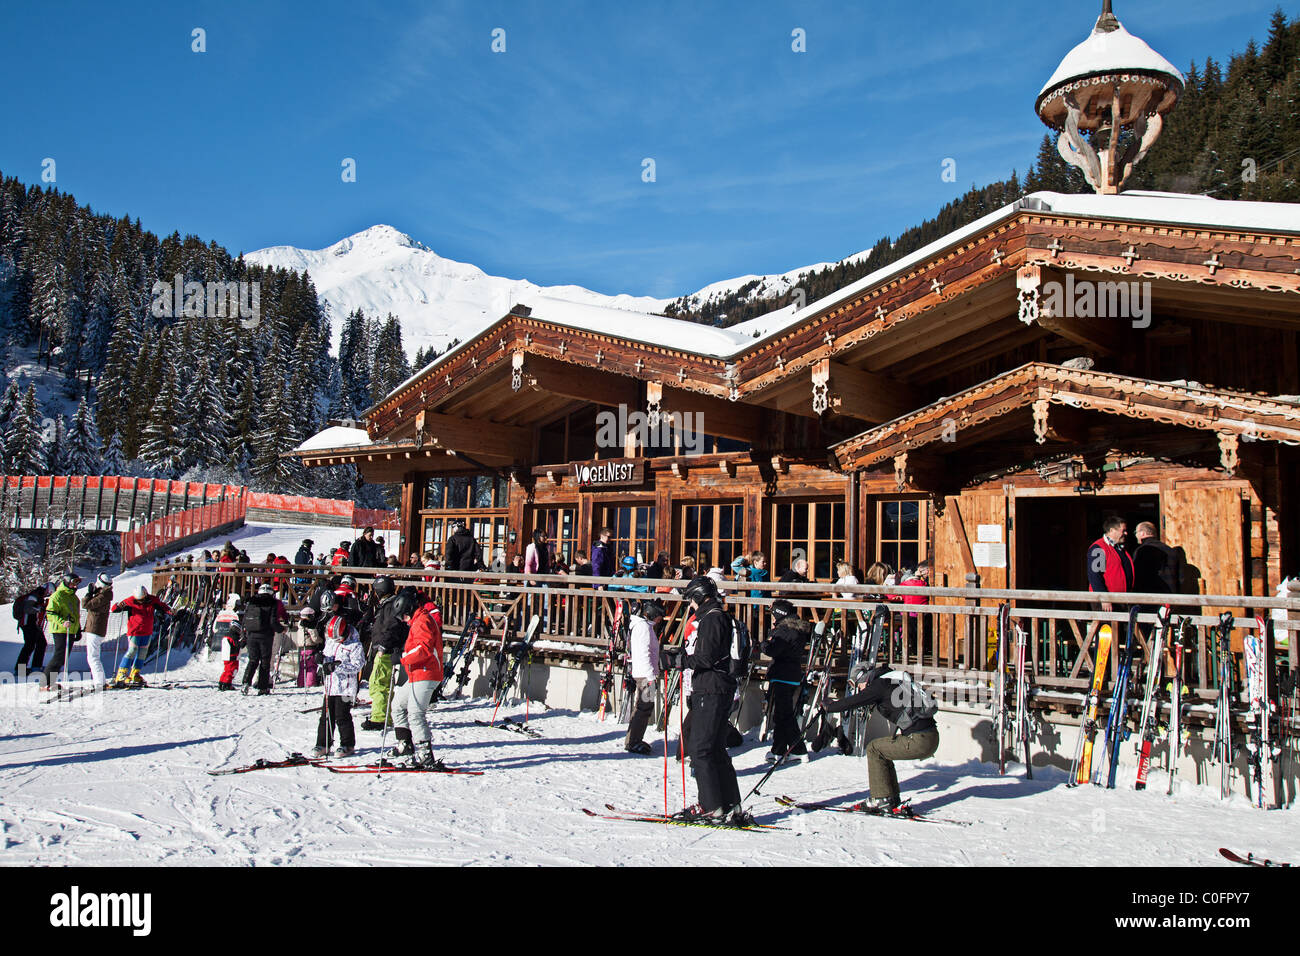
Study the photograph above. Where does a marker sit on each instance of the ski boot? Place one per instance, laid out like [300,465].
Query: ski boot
[691,813]
[878,805]
[319,753]
[136,680]
[641,749]
[345,751]
[403,747]
[225,685]
[369,724]
[119,681]
[423,759]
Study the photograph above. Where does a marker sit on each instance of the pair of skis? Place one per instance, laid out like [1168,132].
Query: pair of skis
[1012,720]
[611,659]
[1148,717]
[516,653]
[463,651]
[1081,766]
[302,760]
[1117,724]
[1261,746]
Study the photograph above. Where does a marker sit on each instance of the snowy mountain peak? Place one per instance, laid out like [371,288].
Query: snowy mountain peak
[376,239]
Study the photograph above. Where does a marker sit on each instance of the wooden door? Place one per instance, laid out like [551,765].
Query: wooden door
[958,551]
[1208,524]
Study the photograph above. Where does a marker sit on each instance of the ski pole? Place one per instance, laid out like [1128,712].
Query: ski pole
[665,748]
[388,709]
[772,769]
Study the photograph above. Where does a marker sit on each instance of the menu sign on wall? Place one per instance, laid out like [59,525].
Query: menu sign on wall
[607,474]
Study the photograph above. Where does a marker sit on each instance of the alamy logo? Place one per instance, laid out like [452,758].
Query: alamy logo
[77,909]
[1086,299]
[211,300]
[666,430]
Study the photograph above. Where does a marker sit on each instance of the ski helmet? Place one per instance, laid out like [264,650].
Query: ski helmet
[701,589]
[232,602]
[404,604]
[383,585]
[628,563]
[348,581]
[103,580]
[307,542]
[71,579]
[651,610]
[266,589]
[782,609]
[864,673]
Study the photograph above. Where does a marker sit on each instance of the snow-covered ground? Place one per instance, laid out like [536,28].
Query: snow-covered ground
[120,778]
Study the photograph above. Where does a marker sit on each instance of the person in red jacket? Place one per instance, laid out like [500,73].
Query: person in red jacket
[419,674]
[1110,569]
[140,609]
[281,578]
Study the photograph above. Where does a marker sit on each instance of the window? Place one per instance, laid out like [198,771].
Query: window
[459,492]
[810,529]
[561,528]
[713,534]
[634,530]
[900,533]
[488,530]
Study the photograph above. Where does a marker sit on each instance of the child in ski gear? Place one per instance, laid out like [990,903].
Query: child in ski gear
[713,688]
[787,646]
[63,611]
[262,619]
[29,612]
[897,698]
[643,647]
[99,598]
[419,674]
[341,663]
[227,630]
[140,610]
[312,643]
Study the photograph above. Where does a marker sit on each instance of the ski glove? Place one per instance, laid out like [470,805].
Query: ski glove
[328,667]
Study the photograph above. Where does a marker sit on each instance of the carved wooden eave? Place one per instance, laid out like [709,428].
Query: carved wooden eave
[1234,259]
[1040,386]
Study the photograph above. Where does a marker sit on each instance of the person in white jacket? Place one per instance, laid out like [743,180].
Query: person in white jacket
[643,648]
[342,661]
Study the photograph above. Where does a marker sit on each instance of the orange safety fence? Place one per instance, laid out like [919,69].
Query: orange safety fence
[179,525]
[377,518]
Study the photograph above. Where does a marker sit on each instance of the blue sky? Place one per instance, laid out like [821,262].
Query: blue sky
[529,162]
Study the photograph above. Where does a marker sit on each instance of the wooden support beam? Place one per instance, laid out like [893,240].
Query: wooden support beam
[472,436]
[719,417]
[574,381]
[861,394]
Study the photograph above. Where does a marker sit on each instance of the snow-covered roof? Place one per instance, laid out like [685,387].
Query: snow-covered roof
[1110,51]
[336,436]
[1179,209]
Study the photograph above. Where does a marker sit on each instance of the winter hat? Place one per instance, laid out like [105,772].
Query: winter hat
[71,579]
[266,589]
[103,580]
[628,563]
[232,602]
[141,593]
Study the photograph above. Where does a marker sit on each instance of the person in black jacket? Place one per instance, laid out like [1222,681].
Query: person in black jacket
[387,638]
[262,618]
[304,553]
[463,552]
[713,689]
[916,736]
[365,551]
[787,646]
[29,611]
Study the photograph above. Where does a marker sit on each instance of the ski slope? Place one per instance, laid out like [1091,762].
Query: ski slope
[120,778]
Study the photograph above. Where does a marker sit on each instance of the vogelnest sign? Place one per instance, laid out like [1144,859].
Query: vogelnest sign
[607,473]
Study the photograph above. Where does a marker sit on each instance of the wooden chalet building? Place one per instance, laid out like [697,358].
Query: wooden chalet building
[955,407]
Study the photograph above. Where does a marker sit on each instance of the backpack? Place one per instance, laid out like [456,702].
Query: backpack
[741,648]
[913,701]
[258,619]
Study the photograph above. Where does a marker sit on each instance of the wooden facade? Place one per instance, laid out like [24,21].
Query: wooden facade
[940,410]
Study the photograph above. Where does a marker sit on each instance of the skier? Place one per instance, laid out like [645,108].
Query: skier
[346,597]
[897,698]
[63,611]
[313,642]
[29,612]
[643,647]
[462,552]
[341,664]
[226,629]
[787,646]
[387,636]
[713,688]
[419,673]
[262,618]
[140,610]
[99,598]
[342,556]
[363,550]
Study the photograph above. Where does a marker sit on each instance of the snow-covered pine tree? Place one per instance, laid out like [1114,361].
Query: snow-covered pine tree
[24,448]
[161,447]
[81,454]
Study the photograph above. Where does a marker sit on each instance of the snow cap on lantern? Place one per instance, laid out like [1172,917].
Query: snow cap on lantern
[1109,83]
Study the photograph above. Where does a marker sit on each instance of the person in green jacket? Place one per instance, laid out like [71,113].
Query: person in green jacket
[63,614]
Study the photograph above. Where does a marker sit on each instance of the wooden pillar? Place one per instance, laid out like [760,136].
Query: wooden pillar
[586,530]
[755,521]
[515,515]
[663,516]
[407,518]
